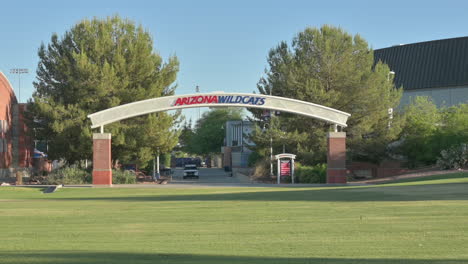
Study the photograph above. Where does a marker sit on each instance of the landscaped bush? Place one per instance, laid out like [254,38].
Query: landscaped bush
[123,177]
[68,175]
[254,158]
[261,171]
[455,157]
[311,174]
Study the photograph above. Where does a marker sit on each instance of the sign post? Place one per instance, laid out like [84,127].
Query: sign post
[285,166]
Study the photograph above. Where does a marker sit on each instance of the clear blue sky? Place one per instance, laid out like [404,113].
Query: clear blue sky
[223,45]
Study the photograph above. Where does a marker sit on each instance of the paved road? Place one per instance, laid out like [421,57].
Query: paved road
[212,175]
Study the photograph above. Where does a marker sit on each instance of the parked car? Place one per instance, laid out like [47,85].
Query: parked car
[190,171]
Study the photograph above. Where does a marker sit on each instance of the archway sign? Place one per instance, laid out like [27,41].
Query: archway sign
[102,170]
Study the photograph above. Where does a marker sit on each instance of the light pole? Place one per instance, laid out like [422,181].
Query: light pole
[277,74]
[156,162]
[271,144]
[390,110]
[157,165]
[271,154]
[19,71]
[283,138]
[265,125]
[197,89]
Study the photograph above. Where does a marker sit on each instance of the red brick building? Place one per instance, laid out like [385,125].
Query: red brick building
[15,147]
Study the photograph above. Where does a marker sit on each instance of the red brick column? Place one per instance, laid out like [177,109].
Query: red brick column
[336,157]
[102,166]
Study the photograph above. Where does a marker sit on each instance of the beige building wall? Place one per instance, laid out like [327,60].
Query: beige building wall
[446,96]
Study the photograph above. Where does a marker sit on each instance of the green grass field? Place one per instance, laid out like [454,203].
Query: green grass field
[415,222]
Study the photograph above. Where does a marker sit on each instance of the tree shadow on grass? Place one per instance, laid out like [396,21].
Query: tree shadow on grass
[448,191]
[457,175]
[146,258]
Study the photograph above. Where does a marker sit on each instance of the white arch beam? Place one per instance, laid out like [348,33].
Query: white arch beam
[218,99]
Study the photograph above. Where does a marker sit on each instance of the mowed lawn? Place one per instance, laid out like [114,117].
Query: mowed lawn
[423,222]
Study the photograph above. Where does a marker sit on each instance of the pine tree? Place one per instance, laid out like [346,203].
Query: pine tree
[330,67]
[99,64]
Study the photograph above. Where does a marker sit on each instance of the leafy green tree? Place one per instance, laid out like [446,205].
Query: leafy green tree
[99,64]
[428,130]
[421,127]
[210,130]
[330,67]
[455,129]
[422,117]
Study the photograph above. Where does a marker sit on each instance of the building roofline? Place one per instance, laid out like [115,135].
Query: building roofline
[428,64]
[5,80]
[421,42]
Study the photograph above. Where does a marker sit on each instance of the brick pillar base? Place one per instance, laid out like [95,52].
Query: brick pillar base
[336,157]
[102,166]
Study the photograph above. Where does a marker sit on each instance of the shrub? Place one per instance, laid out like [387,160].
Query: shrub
[254,158]
[123,177]
[311,174]
[455,157]
[261,170]
[68,175]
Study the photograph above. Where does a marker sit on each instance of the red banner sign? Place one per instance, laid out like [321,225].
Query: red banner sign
[285,168]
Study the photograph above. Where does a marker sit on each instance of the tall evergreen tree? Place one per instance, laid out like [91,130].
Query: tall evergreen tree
[186,134]
[98,64]
[330,67]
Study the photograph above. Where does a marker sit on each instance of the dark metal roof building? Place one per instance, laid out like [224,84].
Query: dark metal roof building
[430,64]
[438,69]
